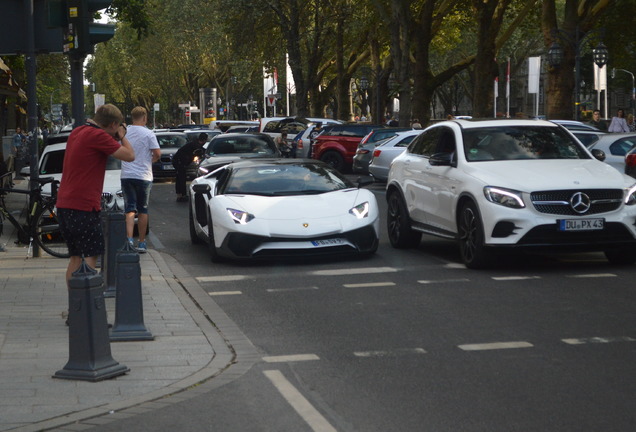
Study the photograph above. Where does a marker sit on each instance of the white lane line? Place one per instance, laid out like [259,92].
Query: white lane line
[594,275]
[391,353]
[223,293]
[290,358]
[580,341]
[513,278]
[426,282]
[495,346]
[227,278]
[454,266]
[273,290]
[353,271]
[369,285]
[314,419]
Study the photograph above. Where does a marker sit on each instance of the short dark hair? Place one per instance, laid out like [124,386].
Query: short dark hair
[203,136]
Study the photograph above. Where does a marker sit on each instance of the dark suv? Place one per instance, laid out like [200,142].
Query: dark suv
[337,144]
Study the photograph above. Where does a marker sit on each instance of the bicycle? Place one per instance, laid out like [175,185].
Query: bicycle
[42,223]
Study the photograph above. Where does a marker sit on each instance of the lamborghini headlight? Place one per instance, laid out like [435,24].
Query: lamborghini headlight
[505,197]
[239,216]
[360,211]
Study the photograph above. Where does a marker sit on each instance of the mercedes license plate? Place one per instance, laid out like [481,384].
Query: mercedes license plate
[581,224]
[328,242]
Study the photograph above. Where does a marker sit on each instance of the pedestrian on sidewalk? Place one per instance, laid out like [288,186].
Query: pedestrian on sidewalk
[597,122]
[184,157]
[618,124]
[136,176]
[80,192]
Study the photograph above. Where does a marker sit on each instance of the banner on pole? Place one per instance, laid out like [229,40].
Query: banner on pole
[600,78]
[534,73]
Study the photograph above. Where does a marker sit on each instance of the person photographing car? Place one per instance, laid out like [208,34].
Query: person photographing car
[181,159]
[80,192]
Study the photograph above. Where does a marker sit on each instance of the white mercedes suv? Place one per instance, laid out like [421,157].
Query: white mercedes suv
[501,185]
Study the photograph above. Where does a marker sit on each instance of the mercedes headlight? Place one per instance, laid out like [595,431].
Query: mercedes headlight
[505,197]
[360,211]
[630,196]
[240,217]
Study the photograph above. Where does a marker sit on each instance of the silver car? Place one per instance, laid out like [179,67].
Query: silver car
[388,150]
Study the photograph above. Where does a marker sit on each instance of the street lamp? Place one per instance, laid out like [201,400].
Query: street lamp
[576,41]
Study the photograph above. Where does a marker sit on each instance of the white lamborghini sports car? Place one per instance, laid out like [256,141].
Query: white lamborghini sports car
[271,208]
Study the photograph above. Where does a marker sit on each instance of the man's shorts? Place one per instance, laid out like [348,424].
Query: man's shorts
[136,195]
[82,231]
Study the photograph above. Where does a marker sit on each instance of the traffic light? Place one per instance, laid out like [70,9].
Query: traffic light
[82,33]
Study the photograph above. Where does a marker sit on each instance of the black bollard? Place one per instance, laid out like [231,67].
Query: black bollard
[89,346]
[115,236]
[129,309]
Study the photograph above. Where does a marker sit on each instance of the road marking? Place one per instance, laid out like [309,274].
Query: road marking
[369,285]
[353,271]
[223,293]
[494,346]
[290,358]
[581,341]
[391,353]
[314,419]
[272,290]
[227,278]
[426,282]
[455,266]
[594,275]
[513,278]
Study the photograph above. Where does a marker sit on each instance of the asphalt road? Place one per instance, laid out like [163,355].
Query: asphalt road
[412,341]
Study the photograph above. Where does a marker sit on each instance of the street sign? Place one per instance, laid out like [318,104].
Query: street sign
[271,99]
[156,107]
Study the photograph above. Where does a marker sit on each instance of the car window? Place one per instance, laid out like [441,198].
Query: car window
[586,139]
[426,143]
[171,141]
[404,142]
[446,143]
[622,146]
[241,145]
[52,162]
[297,179]
[520,142]
[272,126]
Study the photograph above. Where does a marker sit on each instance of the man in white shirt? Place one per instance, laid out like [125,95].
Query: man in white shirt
[136,176]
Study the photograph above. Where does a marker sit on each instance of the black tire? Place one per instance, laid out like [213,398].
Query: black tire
[622,257]
[47,233]
[401,235]
[194,238]
[334,159]
[474,253]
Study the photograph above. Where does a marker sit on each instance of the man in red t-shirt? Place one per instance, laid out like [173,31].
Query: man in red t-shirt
[80,193]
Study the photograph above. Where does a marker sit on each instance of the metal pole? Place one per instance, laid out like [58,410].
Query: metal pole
[77,88]
[577,74]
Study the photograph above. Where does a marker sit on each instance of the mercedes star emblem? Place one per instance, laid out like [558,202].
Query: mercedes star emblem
[580,202]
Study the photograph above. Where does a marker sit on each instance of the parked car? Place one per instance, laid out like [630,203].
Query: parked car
[630,162]
[169,143]
[588,137]
[282,208]
[228,147]
[501,186]
[337,145]
[364,152]
[224,125]
[387,150]
[615,146]
[575,125]
[52,163]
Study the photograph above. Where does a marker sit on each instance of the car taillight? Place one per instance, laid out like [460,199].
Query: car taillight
[376,153]
[630,160]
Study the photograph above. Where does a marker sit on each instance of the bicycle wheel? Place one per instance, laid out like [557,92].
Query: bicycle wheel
[47,233]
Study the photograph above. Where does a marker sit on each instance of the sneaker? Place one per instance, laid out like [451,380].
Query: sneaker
[141,247]
[131,242]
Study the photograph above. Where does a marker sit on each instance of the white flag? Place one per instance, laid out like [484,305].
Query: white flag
[534,72]
[291,85]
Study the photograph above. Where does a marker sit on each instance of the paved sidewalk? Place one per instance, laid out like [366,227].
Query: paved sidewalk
[188,348]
